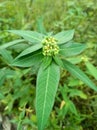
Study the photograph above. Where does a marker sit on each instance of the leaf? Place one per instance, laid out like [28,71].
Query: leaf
[9,44]
[19,125]
[31,36]
[28,60]
[1,96]
[5,73]
[30,50]
[79,74]
[64,36]
[46,87]
[47,61]
[92,69]
[64,110]
[69,105]
[74,60]
[6,55]
[58,61]
[72,107]
[28,121]
[75,92]
[40,26]
[19,47]
[72,50]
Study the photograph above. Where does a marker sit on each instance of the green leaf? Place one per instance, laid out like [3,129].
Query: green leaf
[31,36]
[92,69]
[69,105]
[79,74]
[47,61]
[58,61]
[19,125]
[75,92]
[47,83]
[72,107]
[30,50]
[40,26]
[64,36]
[9,44]
[6,55]
[5,73]
[72,50]
[28,121]
[64,110]
[19,47]
[74,60]
[28,60]
[1,96]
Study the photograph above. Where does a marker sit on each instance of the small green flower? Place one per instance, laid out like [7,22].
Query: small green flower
[50,46]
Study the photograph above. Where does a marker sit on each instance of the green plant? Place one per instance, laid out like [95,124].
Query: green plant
[48,53]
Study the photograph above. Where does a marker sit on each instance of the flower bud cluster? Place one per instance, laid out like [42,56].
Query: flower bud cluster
[50,46]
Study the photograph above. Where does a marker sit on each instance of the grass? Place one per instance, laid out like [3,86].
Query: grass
[17,83]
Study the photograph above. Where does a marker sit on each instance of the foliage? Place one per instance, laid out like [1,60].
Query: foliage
[75,104]
[49,47]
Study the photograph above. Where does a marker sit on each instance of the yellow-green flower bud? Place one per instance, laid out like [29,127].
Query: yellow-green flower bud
[50,46]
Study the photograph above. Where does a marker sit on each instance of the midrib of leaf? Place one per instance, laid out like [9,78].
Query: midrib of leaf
[27,35]
[45,95]
[21,59]
[80,75]
[27,57]
[68,36]
[72,48]
[47,83]
[11,44]
[35,38]
[30,50]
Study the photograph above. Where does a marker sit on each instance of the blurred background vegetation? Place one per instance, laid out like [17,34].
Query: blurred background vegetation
[75,107]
